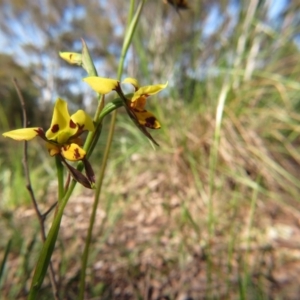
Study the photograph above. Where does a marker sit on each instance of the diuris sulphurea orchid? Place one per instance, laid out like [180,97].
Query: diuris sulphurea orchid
[63,138]
[135,106]
[134,103]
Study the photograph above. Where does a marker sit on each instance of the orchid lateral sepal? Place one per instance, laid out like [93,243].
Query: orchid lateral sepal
[89,171]
[78,176]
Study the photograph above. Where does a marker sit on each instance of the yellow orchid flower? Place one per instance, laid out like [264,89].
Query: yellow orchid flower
[135,103]
[62,138]
[135,106]
[138,102]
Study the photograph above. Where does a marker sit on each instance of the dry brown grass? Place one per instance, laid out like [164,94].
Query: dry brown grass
[151,237]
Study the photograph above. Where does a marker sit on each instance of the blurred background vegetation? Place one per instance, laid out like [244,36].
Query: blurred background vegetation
[213,213]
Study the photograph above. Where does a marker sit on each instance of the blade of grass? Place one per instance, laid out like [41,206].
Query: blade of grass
[213,160]
[4,259]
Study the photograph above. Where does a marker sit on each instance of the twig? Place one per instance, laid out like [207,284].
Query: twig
[41,217]
[48,211]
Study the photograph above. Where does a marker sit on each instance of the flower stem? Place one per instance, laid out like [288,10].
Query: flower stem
[60,178]
[132,21]
[48,246]
[85,254]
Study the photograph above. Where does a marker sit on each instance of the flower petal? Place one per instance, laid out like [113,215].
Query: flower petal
[83,120]
[23,134]
[73,152]
[133,81]
[101,85]
[62,127]
[134,118]
[147,119]
[138,105]
[148,90]
[52,149]
[71,57]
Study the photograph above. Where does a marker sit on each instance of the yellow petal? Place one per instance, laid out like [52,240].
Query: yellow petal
[133,115]
[148,90]
[23,134]
[147,119]
[72,152]
[62,127]
[52,149]
[138,105]
[83,120]
[71,57]
[133,81]
[101,85]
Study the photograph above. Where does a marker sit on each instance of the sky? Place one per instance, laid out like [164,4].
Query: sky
[213,20]
[33,35]
[10,46]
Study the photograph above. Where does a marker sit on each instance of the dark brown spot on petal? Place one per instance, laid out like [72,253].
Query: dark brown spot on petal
[72,124]
[76,153]
[150,122]
[134,118]
[55,128]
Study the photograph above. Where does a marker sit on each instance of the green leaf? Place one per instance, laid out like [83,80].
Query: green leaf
[87,61]
[7,249]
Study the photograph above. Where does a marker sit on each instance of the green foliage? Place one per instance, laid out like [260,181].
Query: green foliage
[9,102]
